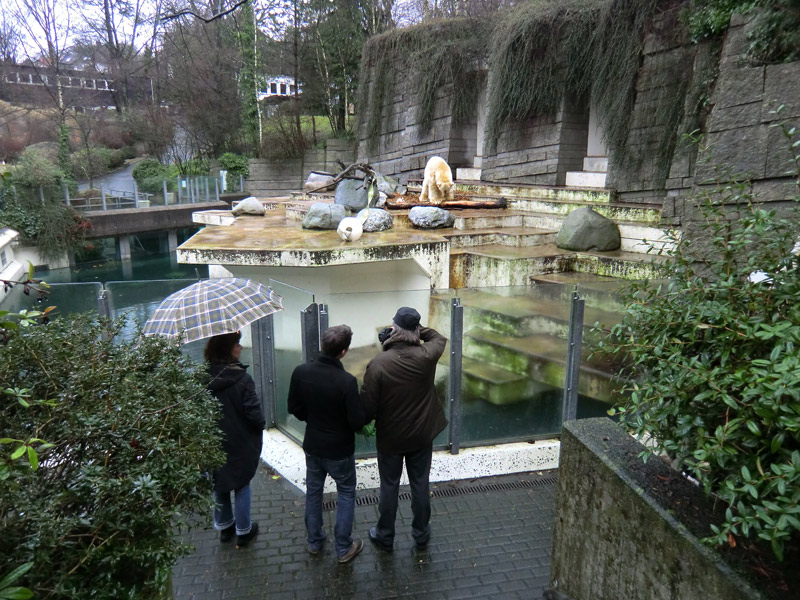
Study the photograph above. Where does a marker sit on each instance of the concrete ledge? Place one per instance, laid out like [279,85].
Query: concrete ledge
[614,540]
[285,456]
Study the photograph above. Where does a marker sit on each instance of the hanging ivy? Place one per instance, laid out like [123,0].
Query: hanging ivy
[429,58]
[538,52]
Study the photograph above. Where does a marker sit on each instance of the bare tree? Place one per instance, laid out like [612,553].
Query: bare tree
[121,33]
[10,39]
[47,27]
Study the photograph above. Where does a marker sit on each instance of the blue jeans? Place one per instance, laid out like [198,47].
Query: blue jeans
[390,468]
[343,472]
[225,516]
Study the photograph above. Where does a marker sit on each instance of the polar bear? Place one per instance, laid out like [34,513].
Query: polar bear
[437,184]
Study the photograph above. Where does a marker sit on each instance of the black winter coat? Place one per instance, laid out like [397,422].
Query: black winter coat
[398,392]
[325,396]
[242,423]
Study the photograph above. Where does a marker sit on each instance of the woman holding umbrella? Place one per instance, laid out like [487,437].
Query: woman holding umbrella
[242,423]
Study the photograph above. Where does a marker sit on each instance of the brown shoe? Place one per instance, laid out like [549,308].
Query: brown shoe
[355,548]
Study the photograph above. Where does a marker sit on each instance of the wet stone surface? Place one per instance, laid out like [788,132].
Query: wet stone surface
[487,544]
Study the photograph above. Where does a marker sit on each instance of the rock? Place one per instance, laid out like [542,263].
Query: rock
[352,194]
[584,229]
[350,229]
[322,215]
[430,217]
[375,219]
[390,186]
[249,206]
[319,182]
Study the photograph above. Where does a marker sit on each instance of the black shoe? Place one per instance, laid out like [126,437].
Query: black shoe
[422,547]
[226,535]
[355,549]
[373,537]
[243,540]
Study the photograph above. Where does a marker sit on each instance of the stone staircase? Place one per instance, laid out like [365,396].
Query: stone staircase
[515,286]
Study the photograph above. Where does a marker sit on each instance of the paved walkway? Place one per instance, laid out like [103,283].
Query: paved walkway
[491,539]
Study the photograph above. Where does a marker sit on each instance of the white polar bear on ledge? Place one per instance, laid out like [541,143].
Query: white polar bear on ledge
[437,185]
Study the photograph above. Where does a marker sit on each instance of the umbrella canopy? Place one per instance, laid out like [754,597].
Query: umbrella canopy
[211,307]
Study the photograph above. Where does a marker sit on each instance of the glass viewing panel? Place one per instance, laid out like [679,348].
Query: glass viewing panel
[604,307]
[288,351]
[514,356]
[368,313]
[68,298]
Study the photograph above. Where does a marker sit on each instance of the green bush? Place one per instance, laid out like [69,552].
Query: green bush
[92,162]
[235,165]
[129,428]
[149,168]
[718,363]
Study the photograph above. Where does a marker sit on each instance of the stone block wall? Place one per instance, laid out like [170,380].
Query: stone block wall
[271,178]
[743,132]
[613,539]
[403,148]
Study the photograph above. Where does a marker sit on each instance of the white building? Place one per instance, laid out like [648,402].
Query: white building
[11,269]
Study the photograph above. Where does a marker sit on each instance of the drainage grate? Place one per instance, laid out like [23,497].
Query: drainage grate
[449,492]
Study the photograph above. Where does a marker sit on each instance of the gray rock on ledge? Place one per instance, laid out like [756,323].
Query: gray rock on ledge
[321,215]
[584,229]
[430,217]
[376,220]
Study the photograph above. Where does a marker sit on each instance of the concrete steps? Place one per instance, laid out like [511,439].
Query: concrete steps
[499,265]
[515,343]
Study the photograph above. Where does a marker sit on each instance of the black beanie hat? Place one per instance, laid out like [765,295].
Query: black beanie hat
[407,318]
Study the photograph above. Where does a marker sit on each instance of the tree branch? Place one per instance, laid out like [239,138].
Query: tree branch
[190,12]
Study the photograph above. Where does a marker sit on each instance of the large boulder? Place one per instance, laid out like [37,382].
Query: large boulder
[249,206]
[352,194]
[430,217]
[321,215]
[319,182]
[584,229]
[375,219]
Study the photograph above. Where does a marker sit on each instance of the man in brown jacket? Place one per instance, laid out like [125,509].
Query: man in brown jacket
[398,392]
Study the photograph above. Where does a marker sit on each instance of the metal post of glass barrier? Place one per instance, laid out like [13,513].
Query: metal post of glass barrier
[323,320]
[454,384]
[263,333]
[309,332]
[104,310]
[569,409]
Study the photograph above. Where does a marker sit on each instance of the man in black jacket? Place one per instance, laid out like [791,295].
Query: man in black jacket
[399,393]
[325,396]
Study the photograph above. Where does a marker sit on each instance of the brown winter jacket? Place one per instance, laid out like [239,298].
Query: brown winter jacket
[398,392]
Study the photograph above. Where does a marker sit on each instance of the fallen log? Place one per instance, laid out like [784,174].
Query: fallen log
[458,203]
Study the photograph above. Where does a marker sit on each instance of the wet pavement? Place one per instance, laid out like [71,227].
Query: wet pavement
[491,539]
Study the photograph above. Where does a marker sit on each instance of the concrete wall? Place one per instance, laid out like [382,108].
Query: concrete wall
[613,540]
[127,221]
[271,178]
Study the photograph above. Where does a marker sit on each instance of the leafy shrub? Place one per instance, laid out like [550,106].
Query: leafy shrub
[35,170]
[149,168]
[33,205]
[193,166]
[130,427]
[235,165]
[92,162]
[149,175]
[718,357]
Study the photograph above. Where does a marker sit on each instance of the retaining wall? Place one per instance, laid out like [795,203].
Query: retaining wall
[614,540]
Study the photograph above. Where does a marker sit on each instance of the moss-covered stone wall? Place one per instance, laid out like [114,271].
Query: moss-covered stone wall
[613,538]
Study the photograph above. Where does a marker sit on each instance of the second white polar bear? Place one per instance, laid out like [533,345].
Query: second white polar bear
[437,184]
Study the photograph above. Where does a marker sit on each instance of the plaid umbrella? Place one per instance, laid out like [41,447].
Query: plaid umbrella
[211,307]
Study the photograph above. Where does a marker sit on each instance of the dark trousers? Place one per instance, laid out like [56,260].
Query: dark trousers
[418,467]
